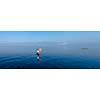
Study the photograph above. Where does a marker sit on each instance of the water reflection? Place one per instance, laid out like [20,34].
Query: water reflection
[38,56]
[53,56]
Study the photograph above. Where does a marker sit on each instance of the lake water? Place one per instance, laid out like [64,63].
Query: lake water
[54,55]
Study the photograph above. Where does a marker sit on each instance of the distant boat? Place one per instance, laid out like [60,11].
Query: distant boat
[84,48]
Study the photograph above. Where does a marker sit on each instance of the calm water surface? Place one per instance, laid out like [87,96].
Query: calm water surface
[54,55]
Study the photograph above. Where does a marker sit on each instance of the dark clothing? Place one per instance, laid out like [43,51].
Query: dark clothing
[37,54]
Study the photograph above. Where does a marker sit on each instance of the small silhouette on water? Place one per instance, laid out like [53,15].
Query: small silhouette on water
[84,48]
[38,53]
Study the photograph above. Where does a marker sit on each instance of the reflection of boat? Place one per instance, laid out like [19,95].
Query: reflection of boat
[84,48]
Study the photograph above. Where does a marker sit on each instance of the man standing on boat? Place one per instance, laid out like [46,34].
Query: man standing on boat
[38,53]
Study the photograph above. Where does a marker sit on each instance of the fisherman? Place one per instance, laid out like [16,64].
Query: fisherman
[38,53]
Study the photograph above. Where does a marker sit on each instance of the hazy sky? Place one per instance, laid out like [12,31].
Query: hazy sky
[49,36]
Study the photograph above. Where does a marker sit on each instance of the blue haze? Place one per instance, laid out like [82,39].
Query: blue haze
[60,49]
[21,36]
